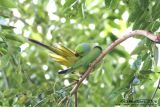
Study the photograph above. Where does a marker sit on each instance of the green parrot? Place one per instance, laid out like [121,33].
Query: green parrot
[77,60]
[83,63]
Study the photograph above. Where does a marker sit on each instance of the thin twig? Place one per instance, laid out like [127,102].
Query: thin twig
[63,100]
[68,103]
[75,100]
[154,93]
[73,83]
[155,90]
[66,97]
[43,100]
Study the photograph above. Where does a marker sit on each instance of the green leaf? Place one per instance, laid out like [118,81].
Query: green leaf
[146,71]
[111,3]
[156,53]
[120,52]
[155,26]
[135,10]
[108,3]
[137,23]
[155,10]
[73,8]
[144,4]
[4,61]
[3,51]
[139,48]
[137,63]
[114,4]
[147,63]
[7,3]
[10,35]
[68,3]
[5,12]
[7,27]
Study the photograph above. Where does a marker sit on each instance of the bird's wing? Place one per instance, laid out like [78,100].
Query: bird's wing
[86,60]
[60,59]
[64,55]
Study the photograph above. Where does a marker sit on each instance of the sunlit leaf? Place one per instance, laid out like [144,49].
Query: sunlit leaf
[137,63]
[7,3]
[147,64]
[156,54]
[4,61]
[108,3]
[146,71]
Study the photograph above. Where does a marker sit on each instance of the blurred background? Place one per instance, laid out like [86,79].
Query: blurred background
[28,76]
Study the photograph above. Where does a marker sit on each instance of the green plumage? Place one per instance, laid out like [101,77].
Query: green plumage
[82,64]
[77,61]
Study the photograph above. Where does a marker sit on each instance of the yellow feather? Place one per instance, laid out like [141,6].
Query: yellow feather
[63,51]
[62,60]
[63,55]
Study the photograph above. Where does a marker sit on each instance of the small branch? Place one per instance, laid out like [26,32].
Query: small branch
[154,93]
[40,102]
[63,100]
[68,103]
[156,90]
[75,99]
[73,83]
[147,34]
[66,97]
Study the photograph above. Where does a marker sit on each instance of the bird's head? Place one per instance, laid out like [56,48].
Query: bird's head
[83,48]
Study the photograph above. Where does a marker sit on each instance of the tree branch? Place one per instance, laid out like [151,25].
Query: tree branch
[144,33]
[147,34]
[64,99]
[75,100]
[158,85]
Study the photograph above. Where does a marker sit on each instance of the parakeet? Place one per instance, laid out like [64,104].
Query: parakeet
[83,63]
[77,60]
[63,55]
[67,56]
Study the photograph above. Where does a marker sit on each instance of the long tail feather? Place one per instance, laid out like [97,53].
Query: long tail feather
[61,60]
[58,49]
[63,71]
[60,54]
[41,44]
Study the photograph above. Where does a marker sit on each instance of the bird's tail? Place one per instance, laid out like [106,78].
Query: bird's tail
[56,48]
[41,44]
[60,53]
[64,71]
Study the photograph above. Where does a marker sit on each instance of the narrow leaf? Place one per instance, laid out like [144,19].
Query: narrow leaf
[107,3]
[7,3]
[155,52]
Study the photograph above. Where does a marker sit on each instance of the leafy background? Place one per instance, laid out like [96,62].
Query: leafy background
[28,76]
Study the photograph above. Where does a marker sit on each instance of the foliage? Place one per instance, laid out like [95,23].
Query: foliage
[28,76]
